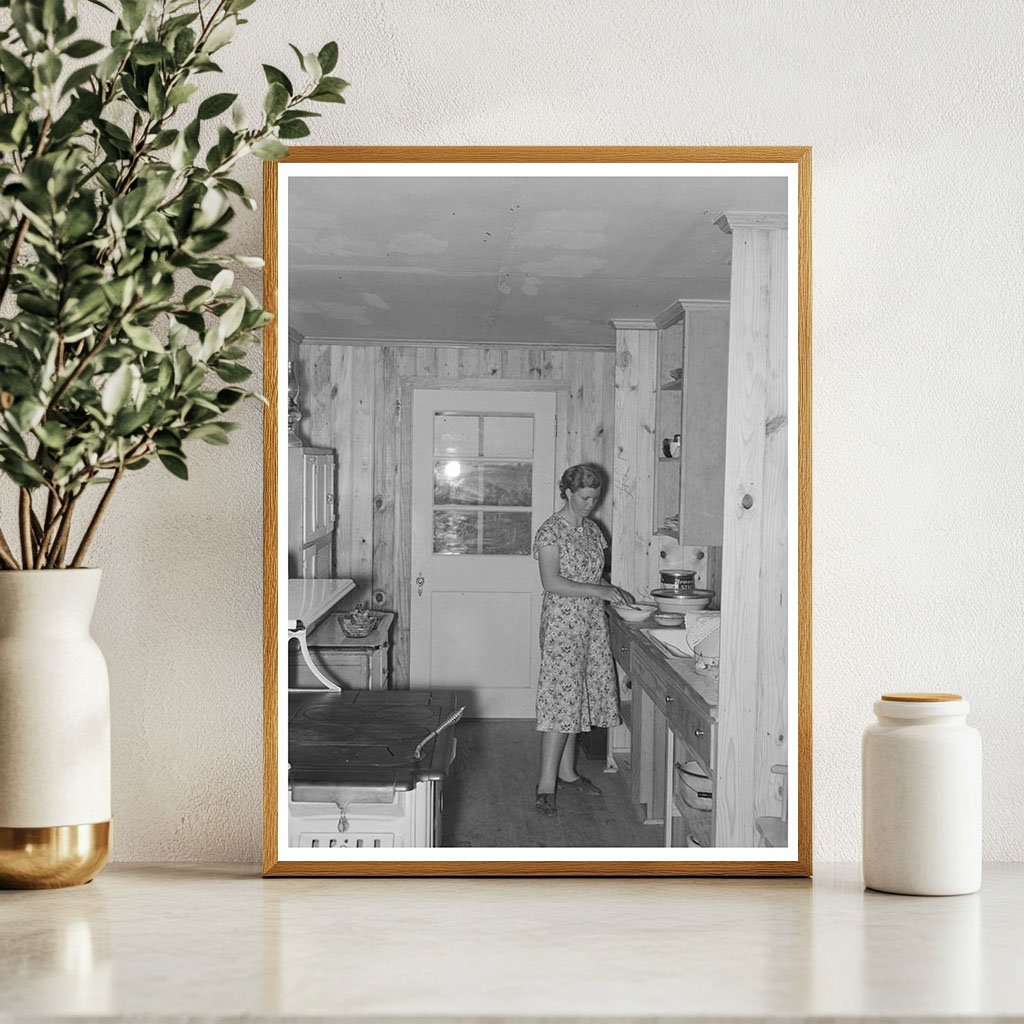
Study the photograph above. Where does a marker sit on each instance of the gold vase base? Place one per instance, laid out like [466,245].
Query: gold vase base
[54,857]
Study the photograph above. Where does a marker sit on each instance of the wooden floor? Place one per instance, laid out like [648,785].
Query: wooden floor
[489,796]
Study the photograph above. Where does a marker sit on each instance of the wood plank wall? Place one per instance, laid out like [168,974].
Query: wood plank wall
[352,401]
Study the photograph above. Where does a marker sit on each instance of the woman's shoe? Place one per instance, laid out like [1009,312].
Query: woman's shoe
[582,785]
[545,803]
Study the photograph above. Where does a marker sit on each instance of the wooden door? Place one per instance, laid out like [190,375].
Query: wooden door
[317,513]
[482,483]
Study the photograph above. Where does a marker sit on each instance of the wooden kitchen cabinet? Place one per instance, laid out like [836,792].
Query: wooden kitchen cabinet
[671,375]
[311,513]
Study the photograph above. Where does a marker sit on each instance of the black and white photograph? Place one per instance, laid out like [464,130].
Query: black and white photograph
[537,515]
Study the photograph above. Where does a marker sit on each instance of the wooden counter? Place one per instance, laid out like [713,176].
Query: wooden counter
[673,721]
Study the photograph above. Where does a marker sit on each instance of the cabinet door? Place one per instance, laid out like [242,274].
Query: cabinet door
[648,736]
[702,456]
[317,562]
[317,495]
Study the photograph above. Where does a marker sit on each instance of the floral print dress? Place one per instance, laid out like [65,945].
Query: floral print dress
[577,688]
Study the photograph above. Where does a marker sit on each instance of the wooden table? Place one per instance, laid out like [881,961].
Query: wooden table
[351,662]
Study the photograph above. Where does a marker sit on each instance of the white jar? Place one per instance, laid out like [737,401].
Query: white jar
[921,793]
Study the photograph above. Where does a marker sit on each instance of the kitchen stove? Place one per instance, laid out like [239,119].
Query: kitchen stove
[354,780]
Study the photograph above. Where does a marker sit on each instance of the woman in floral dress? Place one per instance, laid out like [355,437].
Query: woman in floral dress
[577,688]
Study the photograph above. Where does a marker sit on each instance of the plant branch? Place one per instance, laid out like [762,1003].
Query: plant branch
[6,554]
[56,556]
[94,523]
[25,522]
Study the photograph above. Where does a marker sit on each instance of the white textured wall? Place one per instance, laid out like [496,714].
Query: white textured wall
[914,113]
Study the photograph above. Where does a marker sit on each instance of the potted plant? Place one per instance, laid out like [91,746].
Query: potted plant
[122,341]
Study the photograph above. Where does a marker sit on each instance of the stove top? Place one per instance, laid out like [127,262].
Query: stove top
[358,737]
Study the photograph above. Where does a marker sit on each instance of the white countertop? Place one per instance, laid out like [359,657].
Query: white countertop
[217,941]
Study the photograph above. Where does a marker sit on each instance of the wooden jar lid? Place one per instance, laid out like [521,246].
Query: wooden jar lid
[920,698]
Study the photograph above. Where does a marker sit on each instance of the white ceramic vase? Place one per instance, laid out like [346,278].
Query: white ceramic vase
[54,731]
[921,779]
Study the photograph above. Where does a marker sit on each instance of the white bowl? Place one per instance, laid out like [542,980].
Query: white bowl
[634,612]
[668,619]
[679,603]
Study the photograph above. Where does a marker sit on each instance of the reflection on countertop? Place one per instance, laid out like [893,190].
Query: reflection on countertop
[180,940]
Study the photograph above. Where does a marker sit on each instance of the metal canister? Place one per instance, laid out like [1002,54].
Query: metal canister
[680,580]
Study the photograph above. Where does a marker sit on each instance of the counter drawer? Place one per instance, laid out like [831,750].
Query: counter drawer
[693,729]
[621,642]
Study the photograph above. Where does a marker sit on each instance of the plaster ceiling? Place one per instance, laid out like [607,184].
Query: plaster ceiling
[539,261]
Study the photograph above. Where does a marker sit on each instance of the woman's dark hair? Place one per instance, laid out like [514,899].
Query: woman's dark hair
[584,475]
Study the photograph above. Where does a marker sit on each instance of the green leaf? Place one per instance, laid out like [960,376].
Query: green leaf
[221,35]
[232,319]
[193,379]
[144,338]
[133,13]
[116,390]
[223,281]
[16,70]
[276,100]
[128,421]
[335,84]
[269,149]
[274,76]
[53,435]
[174,464]
[311,66]
[83,48]
[149,53]
[232,373]
[78,78]
[211,433]
[227,397]
[184,44]
[49,68]
[293,130]
[255,262]
[216,104]
[327,96]
[26,413]
[181,94]
[328,57]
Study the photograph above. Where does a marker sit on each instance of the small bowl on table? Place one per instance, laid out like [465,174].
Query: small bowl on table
[634,612]
[668,619]
[357,627]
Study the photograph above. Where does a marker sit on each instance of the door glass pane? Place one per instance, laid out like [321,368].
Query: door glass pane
[456,435]
[457,483]
[509,437]
[506,533]
[456,533]
[507,483]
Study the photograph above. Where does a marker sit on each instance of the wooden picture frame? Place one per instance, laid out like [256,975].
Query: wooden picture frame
[768,307]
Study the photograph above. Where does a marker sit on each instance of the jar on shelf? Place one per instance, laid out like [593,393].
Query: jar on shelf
[921,796]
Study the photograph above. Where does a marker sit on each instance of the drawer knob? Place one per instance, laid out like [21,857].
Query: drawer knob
[669,698]
[699,732]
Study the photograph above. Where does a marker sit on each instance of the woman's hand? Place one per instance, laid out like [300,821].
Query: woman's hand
[616,595]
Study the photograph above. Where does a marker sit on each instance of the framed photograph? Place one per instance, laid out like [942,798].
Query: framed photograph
[537,525]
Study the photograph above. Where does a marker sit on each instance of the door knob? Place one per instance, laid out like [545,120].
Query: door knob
[419,585]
